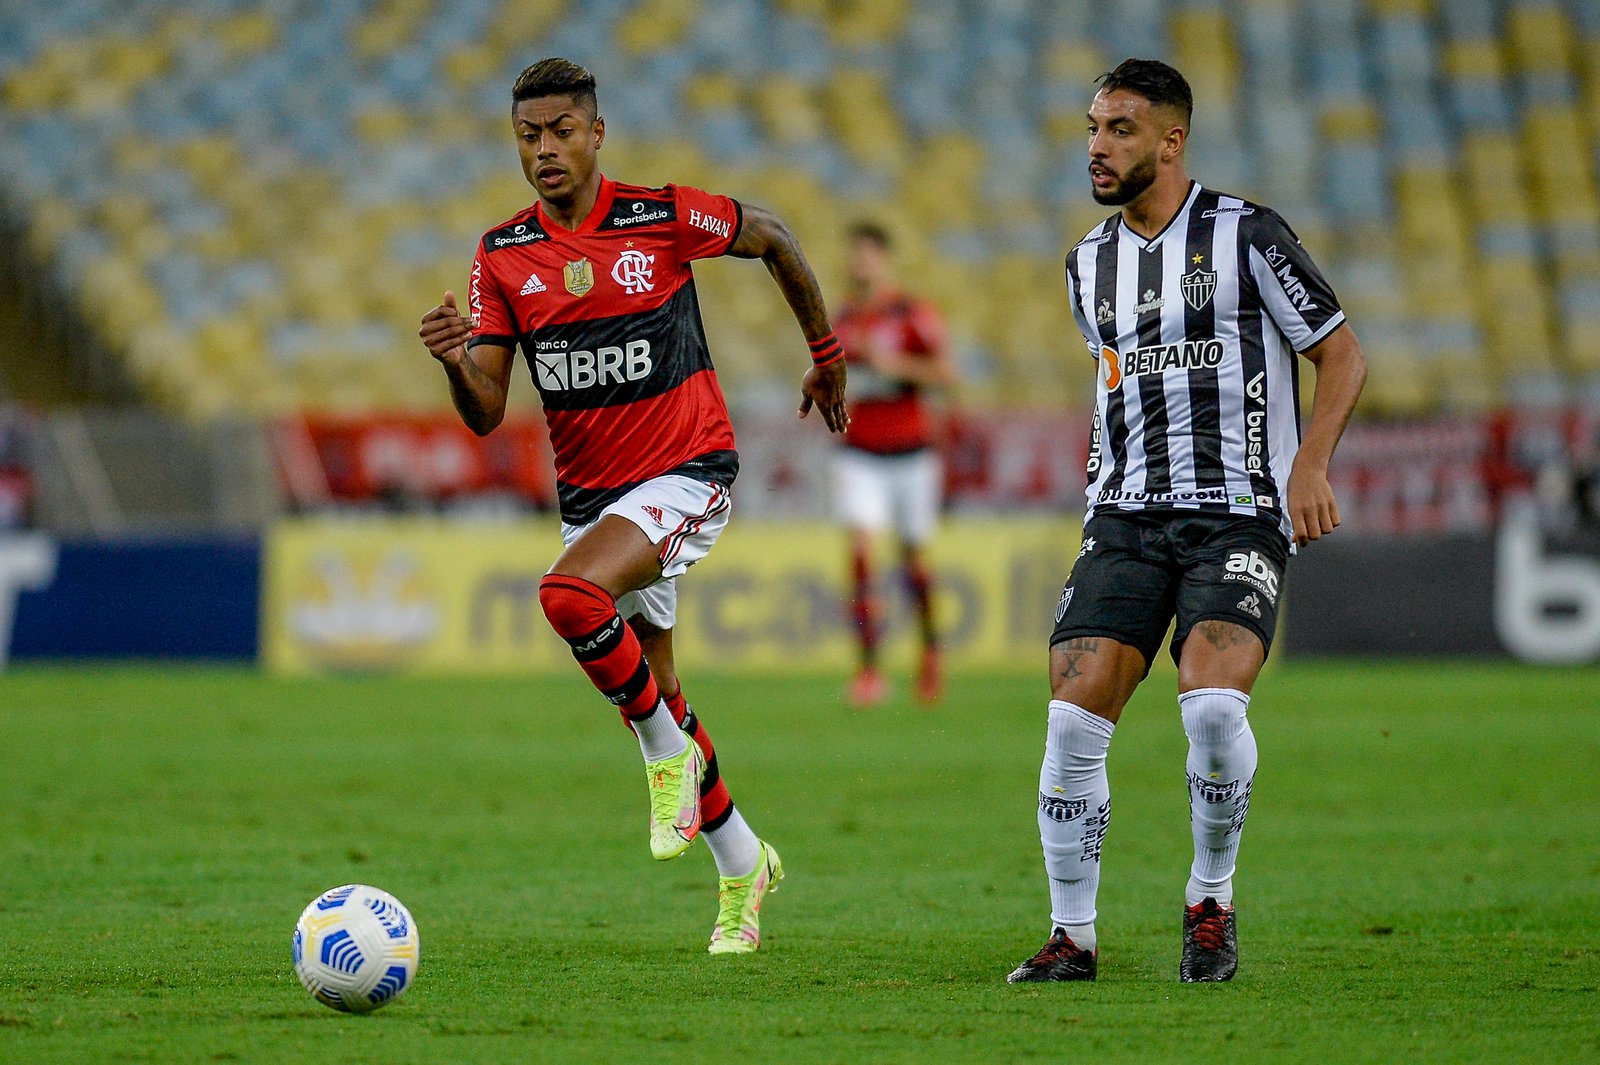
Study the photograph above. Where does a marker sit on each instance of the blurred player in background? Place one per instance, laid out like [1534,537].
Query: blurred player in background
[593,283]
[888,472]
[1194,304]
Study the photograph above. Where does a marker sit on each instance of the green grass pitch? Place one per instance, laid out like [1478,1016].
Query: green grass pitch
[1420,878]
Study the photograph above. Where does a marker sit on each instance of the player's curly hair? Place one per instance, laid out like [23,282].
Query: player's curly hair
[555,77]
[1154,80]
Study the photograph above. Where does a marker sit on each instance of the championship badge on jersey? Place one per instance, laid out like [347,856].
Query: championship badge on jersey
[579,277]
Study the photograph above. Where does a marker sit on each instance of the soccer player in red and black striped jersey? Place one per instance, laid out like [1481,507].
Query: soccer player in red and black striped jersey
[593,284]
[887,471]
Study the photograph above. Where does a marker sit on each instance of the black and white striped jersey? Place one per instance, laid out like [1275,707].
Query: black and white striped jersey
[1195,333]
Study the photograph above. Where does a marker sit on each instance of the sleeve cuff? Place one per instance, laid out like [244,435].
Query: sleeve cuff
[1327,327]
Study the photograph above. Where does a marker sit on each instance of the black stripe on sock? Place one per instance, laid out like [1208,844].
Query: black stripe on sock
[599,643]
[634,688]
[713,775]
[718,821]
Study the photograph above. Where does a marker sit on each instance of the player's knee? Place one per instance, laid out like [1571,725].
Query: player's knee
[573,606]
[1095,673]
[1220,654]
[1213,713]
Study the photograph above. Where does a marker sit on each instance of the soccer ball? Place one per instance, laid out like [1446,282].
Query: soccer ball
[356,948]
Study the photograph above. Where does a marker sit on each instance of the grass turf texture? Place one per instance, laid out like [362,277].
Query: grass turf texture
[1419,878]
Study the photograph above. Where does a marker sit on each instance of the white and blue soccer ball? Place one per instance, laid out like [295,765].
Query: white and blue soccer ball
[356,948]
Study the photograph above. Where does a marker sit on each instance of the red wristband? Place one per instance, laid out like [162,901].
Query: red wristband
[825,351]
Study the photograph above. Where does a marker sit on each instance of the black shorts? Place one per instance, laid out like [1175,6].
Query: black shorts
[1140,569]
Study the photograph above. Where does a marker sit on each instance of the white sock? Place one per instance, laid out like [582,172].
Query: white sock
[1222,768]
[733,845]
[659,736]
[1074,813]
[1082,935]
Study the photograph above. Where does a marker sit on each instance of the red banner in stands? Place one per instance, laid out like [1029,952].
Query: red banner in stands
[413,457]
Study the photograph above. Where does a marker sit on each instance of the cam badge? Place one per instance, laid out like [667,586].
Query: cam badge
[579,277]
[1198,287]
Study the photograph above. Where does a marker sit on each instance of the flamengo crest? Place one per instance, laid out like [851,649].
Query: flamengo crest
[1198,287]
[579,277]
[632,272]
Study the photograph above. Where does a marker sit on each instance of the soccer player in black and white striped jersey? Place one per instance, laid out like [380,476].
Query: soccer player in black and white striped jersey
[1196,307]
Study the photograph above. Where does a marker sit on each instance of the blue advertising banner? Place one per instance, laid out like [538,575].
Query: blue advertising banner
[190,598]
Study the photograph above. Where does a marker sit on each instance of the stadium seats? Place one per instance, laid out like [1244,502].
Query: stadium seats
[254,202]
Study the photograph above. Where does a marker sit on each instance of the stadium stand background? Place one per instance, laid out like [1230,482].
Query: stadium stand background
[238,210]
[252,202]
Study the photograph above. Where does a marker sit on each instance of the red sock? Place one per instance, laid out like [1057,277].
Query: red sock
[585,615]
[920,583]
[861,609]
[715,802]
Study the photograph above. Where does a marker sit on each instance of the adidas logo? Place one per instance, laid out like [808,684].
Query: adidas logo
[1251,605]
[532,285]
[655,513]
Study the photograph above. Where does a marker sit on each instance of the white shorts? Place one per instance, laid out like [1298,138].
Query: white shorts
[877,492]
[681,515]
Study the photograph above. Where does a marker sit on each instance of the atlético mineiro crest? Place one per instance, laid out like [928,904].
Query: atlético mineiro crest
[579,277]
[1198,287]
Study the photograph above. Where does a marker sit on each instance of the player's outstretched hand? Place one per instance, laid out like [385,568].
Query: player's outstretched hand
[445,332]
[1312,508]
[823,387]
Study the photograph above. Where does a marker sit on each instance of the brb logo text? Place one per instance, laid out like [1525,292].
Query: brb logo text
[559,370]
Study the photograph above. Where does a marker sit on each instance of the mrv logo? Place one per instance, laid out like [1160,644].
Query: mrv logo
[558,370]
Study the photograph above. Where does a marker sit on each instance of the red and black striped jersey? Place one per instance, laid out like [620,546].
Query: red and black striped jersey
[607,319]
[887,416]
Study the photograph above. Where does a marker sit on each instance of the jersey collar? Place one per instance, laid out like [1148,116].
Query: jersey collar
[1148,245]
[591,221]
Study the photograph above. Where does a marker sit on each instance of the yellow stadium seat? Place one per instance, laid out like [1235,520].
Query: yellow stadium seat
[1494,181]
[656,24]
[858,22]
[1473,58]
[712,91]
[817,9]
[468,64]
[1555,146]
[1400,7]
[1431,215]
[245,34]
[1398,381]
[1589,63]
[526,20]
[1356,120]
[861,115]
[1514,313]
[787,110]
[1204,50]
[1539,37]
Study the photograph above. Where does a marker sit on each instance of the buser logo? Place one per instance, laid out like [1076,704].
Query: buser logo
[560,371]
